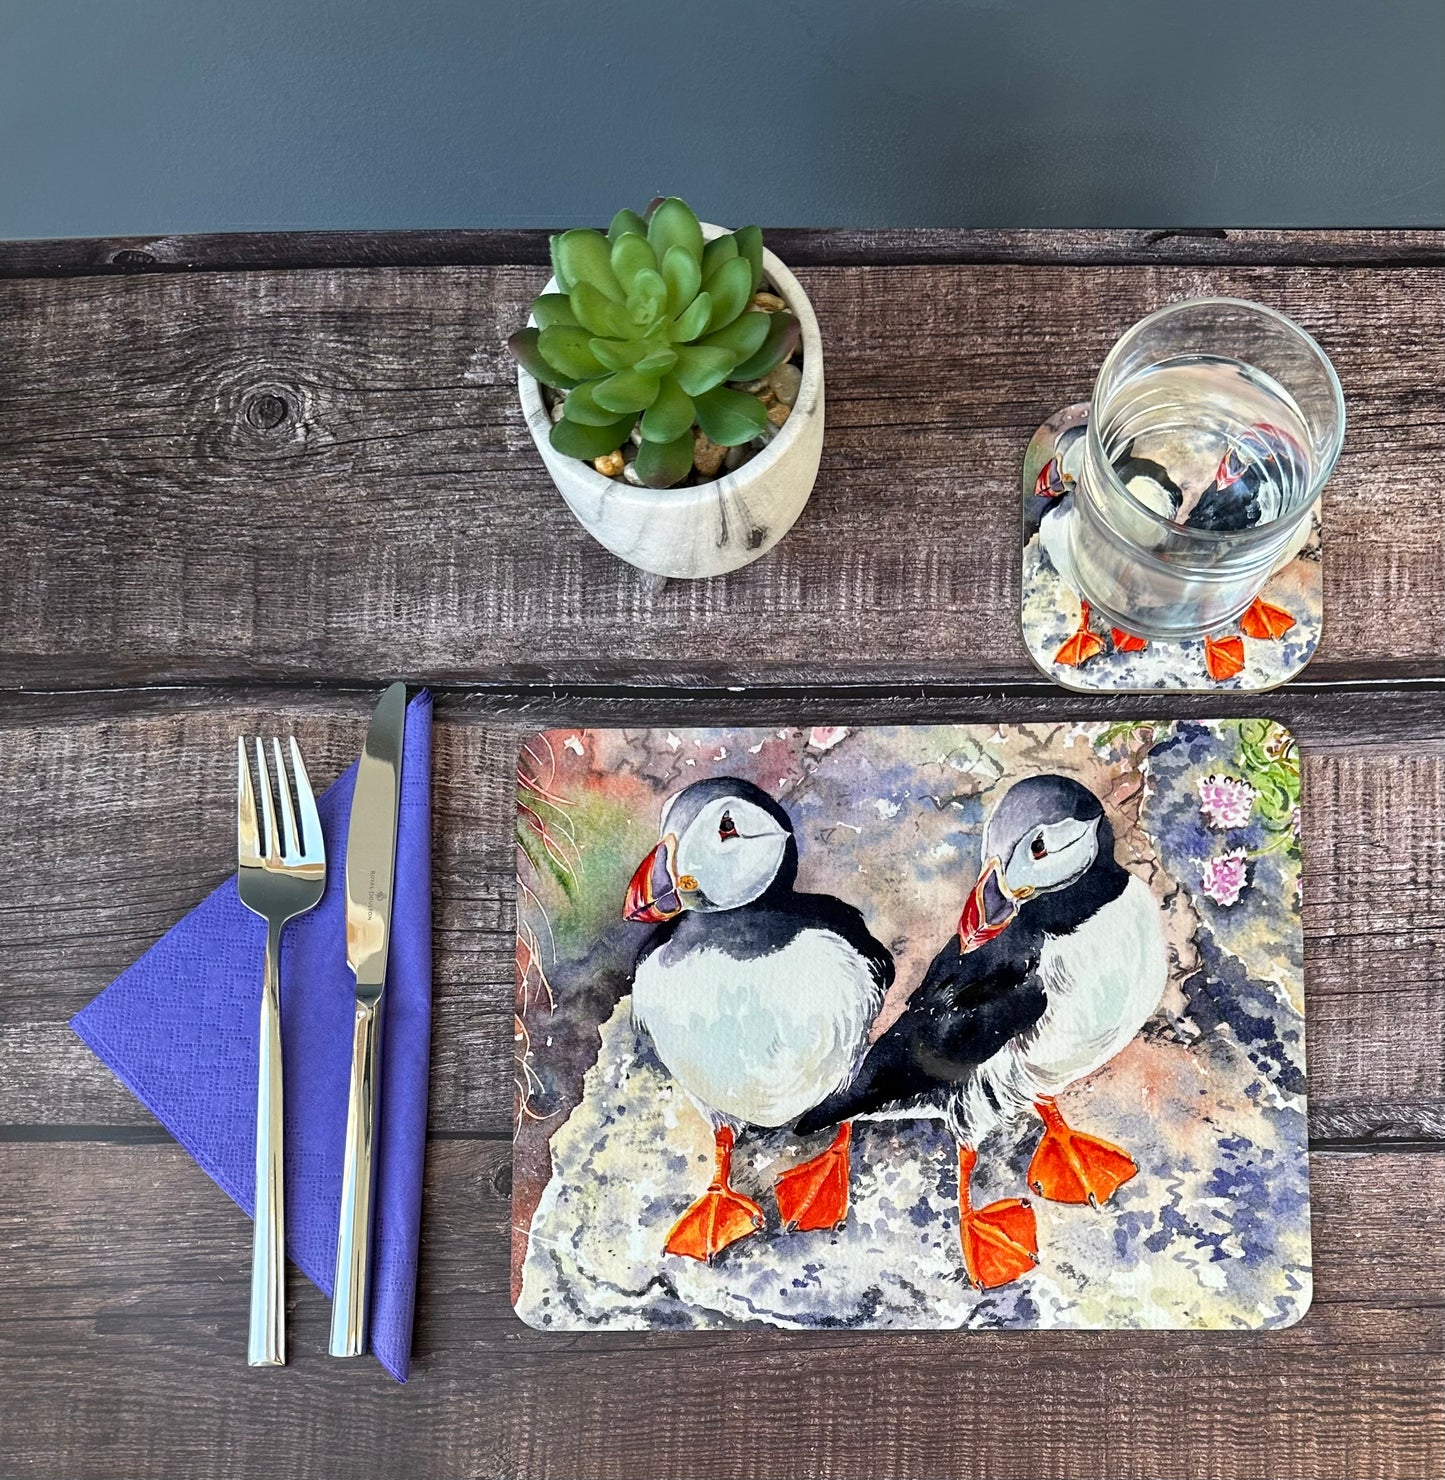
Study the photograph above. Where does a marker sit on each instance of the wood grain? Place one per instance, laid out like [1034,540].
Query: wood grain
[248,477]
[325,474]
[142,793]
[802,247]
[127,1357]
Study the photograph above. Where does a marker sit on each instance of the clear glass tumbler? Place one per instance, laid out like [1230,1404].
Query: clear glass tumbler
[1213,427]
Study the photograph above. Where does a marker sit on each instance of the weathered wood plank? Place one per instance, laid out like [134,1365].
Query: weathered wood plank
[219,477]
[805,247]
[135,827]
[123,1271]
[312,474]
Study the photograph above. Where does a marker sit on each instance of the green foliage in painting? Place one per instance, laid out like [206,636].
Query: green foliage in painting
[1270,760]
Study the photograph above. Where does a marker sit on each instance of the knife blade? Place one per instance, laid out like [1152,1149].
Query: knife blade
[370,866]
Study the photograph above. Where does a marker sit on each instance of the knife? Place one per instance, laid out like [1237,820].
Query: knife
[370,864]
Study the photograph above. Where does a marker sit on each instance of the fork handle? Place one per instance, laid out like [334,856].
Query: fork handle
[351,1298]
[267,1344]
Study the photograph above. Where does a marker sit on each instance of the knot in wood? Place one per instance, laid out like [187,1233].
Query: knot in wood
[267,410]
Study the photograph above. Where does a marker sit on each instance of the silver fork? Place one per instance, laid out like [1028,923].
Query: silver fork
[279,876]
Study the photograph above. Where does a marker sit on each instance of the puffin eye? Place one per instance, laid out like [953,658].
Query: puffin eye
[1038,848]
[726,828]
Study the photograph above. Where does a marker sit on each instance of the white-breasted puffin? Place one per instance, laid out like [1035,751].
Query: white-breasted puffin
[1246,490]
[757,998]
[1058,961]
[1051,513]
[1254,484]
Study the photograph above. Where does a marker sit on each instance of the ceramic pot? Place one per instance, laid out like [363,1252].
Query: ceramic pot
[713,527]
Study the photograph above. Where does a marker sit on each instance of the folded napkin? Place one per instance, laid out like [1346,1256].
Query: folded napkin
[179,1029]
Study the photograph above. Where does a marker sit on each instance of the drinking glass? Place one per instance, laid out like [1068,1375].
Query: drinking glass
[1214,425]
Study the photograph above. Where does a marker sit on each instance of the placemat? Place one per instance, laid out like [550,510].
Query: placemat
[1058,966]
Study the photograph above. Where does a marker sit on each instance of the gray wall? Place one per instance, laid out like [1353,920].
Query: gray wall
[141,116]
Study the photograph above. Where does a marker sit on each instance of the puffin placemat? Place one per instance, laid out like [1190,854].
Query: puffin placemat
[917,1027]
[1274,639]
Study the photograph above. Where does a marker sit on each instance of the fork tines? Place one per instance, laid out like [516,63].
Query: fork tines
[257,839]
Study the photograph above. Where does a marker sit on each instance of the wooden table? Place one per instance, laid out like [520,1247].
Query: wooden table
[243,480]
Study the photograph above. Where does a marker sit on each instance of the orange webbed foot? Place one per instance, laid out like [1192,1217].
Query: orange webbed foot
[1126,642]
[814,1194]
[1224,657]
[1070,1167]
[1265,621]
[1000,1242]
[721,1216]
[1083,645]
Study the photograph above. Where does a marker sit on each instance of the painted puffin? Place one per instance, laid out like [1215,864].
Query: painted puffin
[1058,961]
[758,998]
[1051,511]
[1244,492]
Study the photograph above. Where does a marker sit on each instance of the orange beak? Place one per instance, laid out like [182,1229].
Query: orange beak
[1230,470]
[652,895]
[1264,438]
[1052,481]
[989,910]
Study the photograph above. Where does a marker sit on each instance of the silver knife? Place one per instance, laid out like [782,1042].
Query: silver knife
[370,864]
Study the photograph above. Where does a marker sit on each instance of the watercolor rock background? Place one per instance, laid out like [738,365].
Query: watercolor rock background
[1050,614]
[1214,1230]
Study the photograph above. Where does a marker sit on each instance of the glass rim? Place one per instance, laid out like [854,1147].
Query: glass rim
[1206,537]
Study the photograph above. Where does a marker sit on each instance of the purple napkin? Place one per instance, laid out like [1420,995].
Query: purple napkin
[179,1030]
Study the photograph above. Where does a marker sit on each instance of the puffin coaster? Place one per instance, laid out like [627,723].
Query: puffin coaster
[1274,640]
[952,1026]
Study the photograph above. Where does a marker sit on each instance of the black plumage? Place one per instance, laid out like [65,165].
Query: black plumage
[767,925]
[970,1005]
[958,1018]
[1127,465]
[1130,466]
[1234,507]
[775,917]
[1257,469]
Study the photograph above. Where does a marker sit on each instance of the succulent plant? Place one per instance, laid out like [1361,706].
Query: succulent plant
[648,326]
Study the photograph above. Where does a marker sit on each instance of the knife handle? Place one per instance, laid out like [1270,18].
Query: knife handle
[266,1346]
[351,1300]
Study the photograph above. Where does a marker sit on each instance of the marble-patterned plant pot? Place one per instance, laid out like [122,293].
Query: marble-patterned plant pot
[716,526]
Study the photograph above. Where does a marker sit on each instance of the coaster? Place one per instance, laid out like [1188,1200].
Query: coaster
[908,1028]
[1260,654]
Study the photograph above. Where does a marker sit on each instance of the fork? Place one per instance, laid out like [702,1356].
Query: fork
[278,876]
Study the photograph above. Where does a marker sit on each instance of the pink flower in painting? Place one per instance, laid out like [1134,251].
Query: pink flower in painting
[1226,802]
[1224,878]
[825,737]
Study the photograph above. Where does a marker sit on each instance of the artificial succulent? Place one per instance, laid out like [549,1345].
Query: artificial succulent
[648,326]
